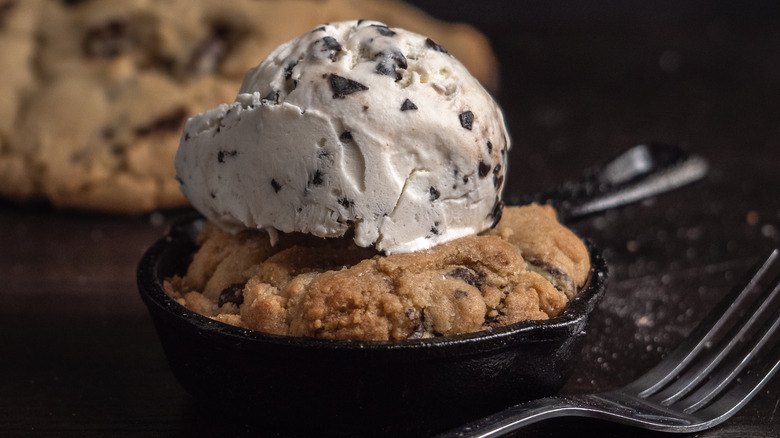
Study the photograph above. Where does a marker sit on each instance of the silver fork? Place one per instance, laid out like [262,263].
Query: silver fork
[709,377]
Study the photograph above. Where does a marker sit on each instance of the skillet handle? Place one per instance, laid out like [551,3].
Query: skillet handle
[638,173]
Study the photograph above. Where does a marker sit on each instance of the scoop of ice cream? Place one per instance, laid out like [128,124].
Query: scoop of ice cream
[352,125]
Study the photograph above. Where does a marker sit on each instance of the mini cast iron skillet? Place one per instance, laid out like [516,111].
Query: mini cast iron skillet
[359,386]
[320,387]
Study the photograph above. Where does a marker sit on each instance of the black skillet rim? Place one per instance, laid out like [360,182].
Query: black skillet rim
[182,234]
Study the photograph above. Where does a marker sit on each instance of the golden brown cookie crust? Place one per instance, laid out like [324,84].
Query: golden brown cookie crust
[95,92]
[526,269]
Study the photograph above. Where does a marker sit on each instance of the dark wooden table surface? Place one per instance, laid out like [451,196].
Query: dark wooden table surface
[79,355]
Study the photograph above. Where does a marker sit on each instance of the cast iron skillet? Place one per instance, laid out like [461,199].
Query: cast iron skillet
[321,387]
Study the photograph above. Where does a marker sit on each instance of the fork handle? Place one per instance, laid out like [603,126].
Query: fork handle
[635,174]
[517,416]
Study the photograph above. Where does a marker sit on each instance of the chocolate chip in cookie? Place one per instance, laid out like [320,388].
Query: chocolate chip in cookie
[172,121]
[469,276]
[418,323]
[559,279]
[107,40]
[5,9]
[212,51]
[232,294]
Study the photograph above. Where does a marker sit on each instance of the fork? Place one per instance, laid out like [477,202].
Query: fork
[713,373]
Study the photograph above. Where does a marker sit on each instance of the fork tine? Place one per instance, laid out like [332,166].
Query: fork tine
[751,381]
[709,360]
[733,367]
[722,317]
[737,376]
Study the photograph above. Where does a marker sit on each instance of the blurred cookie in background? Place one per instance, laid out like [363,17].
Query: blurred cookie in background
[95,92]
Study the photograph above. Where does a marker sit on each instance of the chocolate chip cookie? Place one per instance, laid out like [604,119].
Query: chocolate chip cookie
[527,268]
[95,92]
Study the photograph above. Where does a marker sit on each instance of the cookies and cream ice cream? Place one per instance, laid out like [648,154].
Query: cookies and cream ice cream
[352,125]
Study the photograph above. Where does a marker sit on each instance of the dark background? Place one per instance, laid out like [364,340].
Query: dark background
[580,81]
